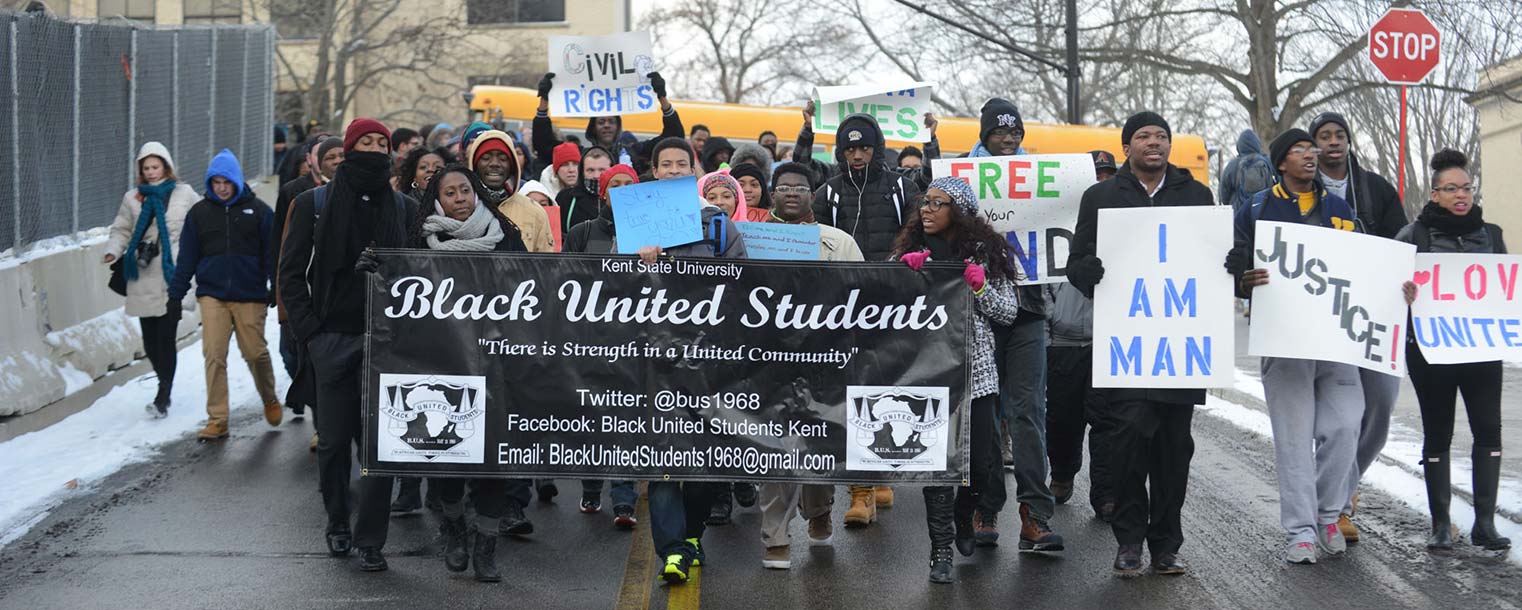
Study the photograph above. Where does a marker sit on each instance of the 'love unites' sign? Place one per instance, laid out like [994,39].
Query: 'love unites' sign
[1467,307]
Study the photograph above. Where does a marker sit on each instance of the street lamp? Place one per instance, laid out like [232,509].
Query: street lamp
[468,96]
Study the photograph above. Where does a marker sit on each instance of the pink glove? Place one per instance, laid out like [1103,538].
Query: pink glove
[915,260]
[975,276]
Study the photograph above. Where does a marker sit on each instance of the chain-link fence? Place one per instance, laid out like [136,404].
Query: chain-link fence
[78,100]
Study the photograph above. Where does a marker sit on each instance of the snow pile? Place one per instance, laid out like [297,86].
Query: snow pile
[45,468]
[13,257]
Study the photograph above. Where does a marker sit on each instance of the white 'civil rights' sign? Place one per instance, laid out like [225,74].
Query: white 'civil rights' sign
[1032,200]
[1468,307]
[1331,295]
[602,75]
[898,107]
[1163,313]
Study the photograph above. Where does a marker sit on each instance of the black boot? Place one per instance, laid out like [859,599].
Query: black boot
[723,505]
[456,538]
[514,522]
[1439,493]
[409,496]
[965,505]
[940,565]
[746,494]
[940,518]
[484,555]
[1487,476]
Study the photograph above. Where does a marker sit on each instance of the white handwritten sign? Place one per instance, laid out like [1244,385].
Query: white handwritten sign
[602,75]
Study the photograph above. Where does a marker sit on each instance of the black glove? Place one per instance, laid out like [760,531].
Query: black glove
[368,262]
[658,84]
[545,84]
[1085,274]
[1237,260]
[173,307]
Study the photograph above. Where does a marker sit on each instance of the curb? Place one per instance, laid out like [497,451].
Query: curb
[1247,400]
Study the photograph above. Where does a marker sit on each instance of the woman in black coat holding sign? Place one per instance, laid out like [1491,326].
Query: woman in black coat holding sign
[1451,222]
[947,227]
[457,221]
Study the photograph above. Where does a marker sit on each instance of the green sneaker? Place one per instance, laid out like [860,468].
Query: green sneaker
[697,551]
[677,567]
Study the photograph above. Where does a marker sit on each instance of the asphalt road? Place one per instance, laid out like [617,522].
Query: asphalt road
[238,524]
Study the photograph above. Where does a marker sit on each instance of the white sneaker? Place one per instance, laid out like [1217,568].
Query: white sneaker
[1302,553]
[1329,539]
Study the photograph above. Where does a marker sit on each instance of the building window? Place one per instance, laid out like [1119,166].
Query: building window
[137,10]
[296,19]
[480,12]
[213,11]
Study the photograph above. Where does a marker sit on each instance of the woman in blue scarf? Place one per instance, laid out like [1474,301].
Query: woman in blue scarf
[154,208]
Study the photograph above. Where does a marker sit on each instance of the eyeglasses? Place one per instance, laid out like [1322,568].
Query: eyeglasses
[796,190]
[934,204]
[1300,150]
[1451,189]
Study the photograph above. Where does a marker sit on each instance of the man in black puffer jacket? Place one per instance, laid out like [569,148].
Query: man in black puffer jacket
[866,199]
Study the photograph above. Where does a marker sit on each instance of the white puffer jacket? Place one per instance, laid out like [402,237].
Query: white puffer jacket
[148,295]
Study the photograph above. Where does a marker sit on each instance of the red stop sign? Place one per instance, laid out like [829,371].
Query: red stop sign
[1404,46]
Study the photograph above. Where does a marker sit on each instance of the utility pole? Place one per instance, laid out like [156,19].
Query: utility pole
[1075,111]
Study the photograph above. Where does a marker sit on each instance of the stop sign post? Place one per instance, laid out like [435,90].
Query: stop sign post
[1405,47]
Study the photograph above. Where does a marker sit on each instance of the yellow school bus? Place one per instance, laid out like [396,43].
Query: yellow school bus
[742,123]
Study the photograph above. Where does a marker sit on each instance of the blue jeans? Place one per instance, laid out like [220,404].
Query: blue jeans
[677,512]
[1022,411]
[623,492]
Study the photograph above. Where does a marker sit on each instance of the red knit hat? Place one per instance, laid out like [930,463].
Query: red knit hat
[359,127]
[565,153]
[607,176]
[483,146]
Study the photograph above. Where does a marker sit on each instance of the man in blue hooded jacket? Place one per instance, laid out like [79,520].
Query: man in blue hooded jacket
[227,245]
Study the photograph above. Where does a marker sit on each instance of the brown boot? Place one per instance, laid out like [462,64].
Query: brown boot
[272,413]
[883,495]
[863,509]
[214,429]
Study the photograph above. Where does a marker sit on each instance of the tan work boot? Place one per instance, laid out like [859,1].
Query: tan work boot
[1345,525]
[863,509]
[312,446]
[272,413]
[883,495]
[820,530]
[214,429]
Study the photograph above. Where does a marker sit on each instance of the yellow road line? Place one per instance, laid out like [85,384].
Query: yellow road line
[686,596]
[634,592]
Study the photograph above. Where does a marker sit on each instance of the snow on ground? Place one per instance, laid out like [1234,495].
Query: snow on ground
[114,432]
[1404,447]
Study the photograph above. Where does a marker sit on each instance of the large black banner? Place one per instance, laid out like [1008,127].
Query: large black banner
[521,365]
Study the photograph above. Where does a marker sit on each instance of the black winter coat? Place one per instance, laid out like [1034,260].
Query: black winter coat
[1125,191]
[872,205]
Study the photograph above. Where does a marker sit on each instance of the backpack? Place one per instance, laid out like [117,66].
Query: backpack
[1254,175]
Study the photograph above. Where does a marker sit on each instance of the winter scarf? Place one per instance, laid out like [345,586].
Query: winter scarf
[155,203]
[479,233]
[1434,216]
[362,174]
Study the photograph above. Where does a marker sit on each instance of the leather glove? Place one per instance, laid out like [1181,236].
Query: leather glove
[1237,260]
[915,260]
[975,275]
[658,84]
[545,84]
[367,262]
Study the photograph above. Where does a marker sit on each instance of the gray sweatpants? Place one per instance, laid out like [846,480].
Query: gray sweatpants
[1379,394]
[778,500]
[1315,409]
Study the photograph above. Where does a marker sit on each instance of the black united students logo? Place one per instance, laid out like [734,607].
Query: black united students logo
[897,428]
[431,418]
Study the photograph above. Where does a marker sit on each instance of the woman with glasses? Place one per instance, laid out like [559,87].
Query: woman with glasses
[1451,222]
[947,227]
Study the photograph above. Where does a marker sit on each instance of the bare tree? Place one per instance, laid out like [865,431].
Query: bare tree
[744,50]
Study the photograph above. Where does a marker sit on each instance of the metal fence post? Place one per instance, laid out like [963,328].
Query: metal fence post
[211,131]
[74,151]
[15,142]
[270,78]
[174,88]
[132,106]
[243,110]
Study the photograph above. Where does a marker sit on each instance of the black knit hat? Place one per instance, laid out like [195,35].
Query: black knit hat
[1324,118]
[1145,118]
[996,113]
[1279,148]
